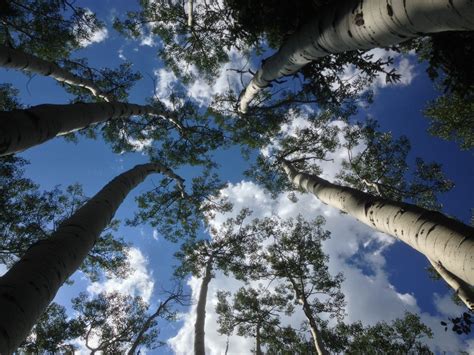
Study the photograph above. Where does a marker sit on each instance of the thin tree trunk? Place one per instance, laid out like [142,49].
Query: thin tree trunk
[22,129]
[258,345]
[31,284]
[440,238]
[317,341]
[462,290]
[199,334]
[359,24]
[16,59]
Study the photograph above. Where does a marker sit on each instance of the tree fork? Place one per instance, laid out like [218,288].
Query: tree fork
[441,239]
[359,24]
[31,284]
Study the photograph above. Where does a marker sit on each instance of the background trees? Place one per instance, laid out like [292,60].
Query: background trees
[187,138]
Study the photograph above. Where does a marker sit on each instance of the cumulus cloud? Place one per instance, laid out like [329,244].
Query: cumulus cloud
[138,283]
[369,294]
[94,36]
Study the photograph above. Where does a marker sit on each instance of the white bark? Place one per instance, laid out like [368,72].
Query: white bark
[15,59]
[359,24]
[463,291]
[440,238]
[32,283]
[190,13]
[199,333]
[22,129]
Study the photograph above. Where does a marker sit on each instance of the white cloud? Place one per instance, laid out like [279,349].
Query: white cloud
[370,296]
[155,234]
[138,283]
[121,55]
[94,37]
[226,79]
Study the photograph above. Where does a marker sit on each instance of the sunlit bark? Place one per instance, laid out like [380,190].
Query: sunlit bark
[440,238]
[359,24]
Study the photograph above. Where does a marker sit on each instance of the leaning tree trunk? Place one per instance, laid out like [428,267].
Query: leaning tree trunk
[359,24]
[22,129]
[199,344]
[440,238]
[31,284]
[313,326]
[15,59]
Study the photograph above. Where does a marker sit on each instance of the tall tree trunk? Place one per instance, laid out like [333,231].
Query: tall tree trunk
[440,238]
[199,344]
[22,129]
[16,59]
[317,341]
[31,284]
[359,24]
[258,342]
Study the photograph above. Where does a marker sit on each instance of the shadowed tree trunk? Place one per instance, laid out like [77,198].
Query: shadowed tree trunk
[31,284]
[22,129]
[359,24]
[15,59]
[199,334]
[441,239]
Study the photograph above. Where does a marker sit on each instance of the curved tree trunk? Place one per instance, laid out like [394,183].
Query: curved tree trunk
[31,284]
[199,344]
[15,59]
[359,24]
[22,129]
[440,238]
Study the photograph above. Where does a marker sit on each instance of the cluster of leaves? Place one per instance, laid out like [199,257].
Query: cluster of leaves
[449,56]
[50,29]
[107,322]
[461,324]
[382,167]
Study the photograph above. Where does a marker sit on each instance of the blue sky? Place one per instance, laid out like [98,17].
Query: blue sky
[392,270]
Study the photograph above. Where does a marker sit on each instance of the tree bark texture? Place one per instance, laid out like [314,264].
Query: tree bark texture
[359,24]
[462,290]
[16,59]
[440,238]
[31,284]
[258,343]
[199,333]
[22,129]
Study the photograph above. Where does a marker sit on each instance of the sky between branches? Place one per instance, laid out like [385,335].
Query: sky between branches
[383,278]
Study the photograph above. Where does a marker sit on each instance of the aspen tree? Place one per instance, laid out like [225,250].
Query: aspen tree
[31,284]
[359,24]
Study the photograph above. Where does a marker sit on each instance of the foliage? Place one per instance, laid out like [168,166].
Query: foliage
[254,312]
[461,324]
[228,249]
[452,118]
[382,167]
[402,336]
[53,332]
[28,215]
[178,217]
[8,98]
[111,321]
[50,29]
